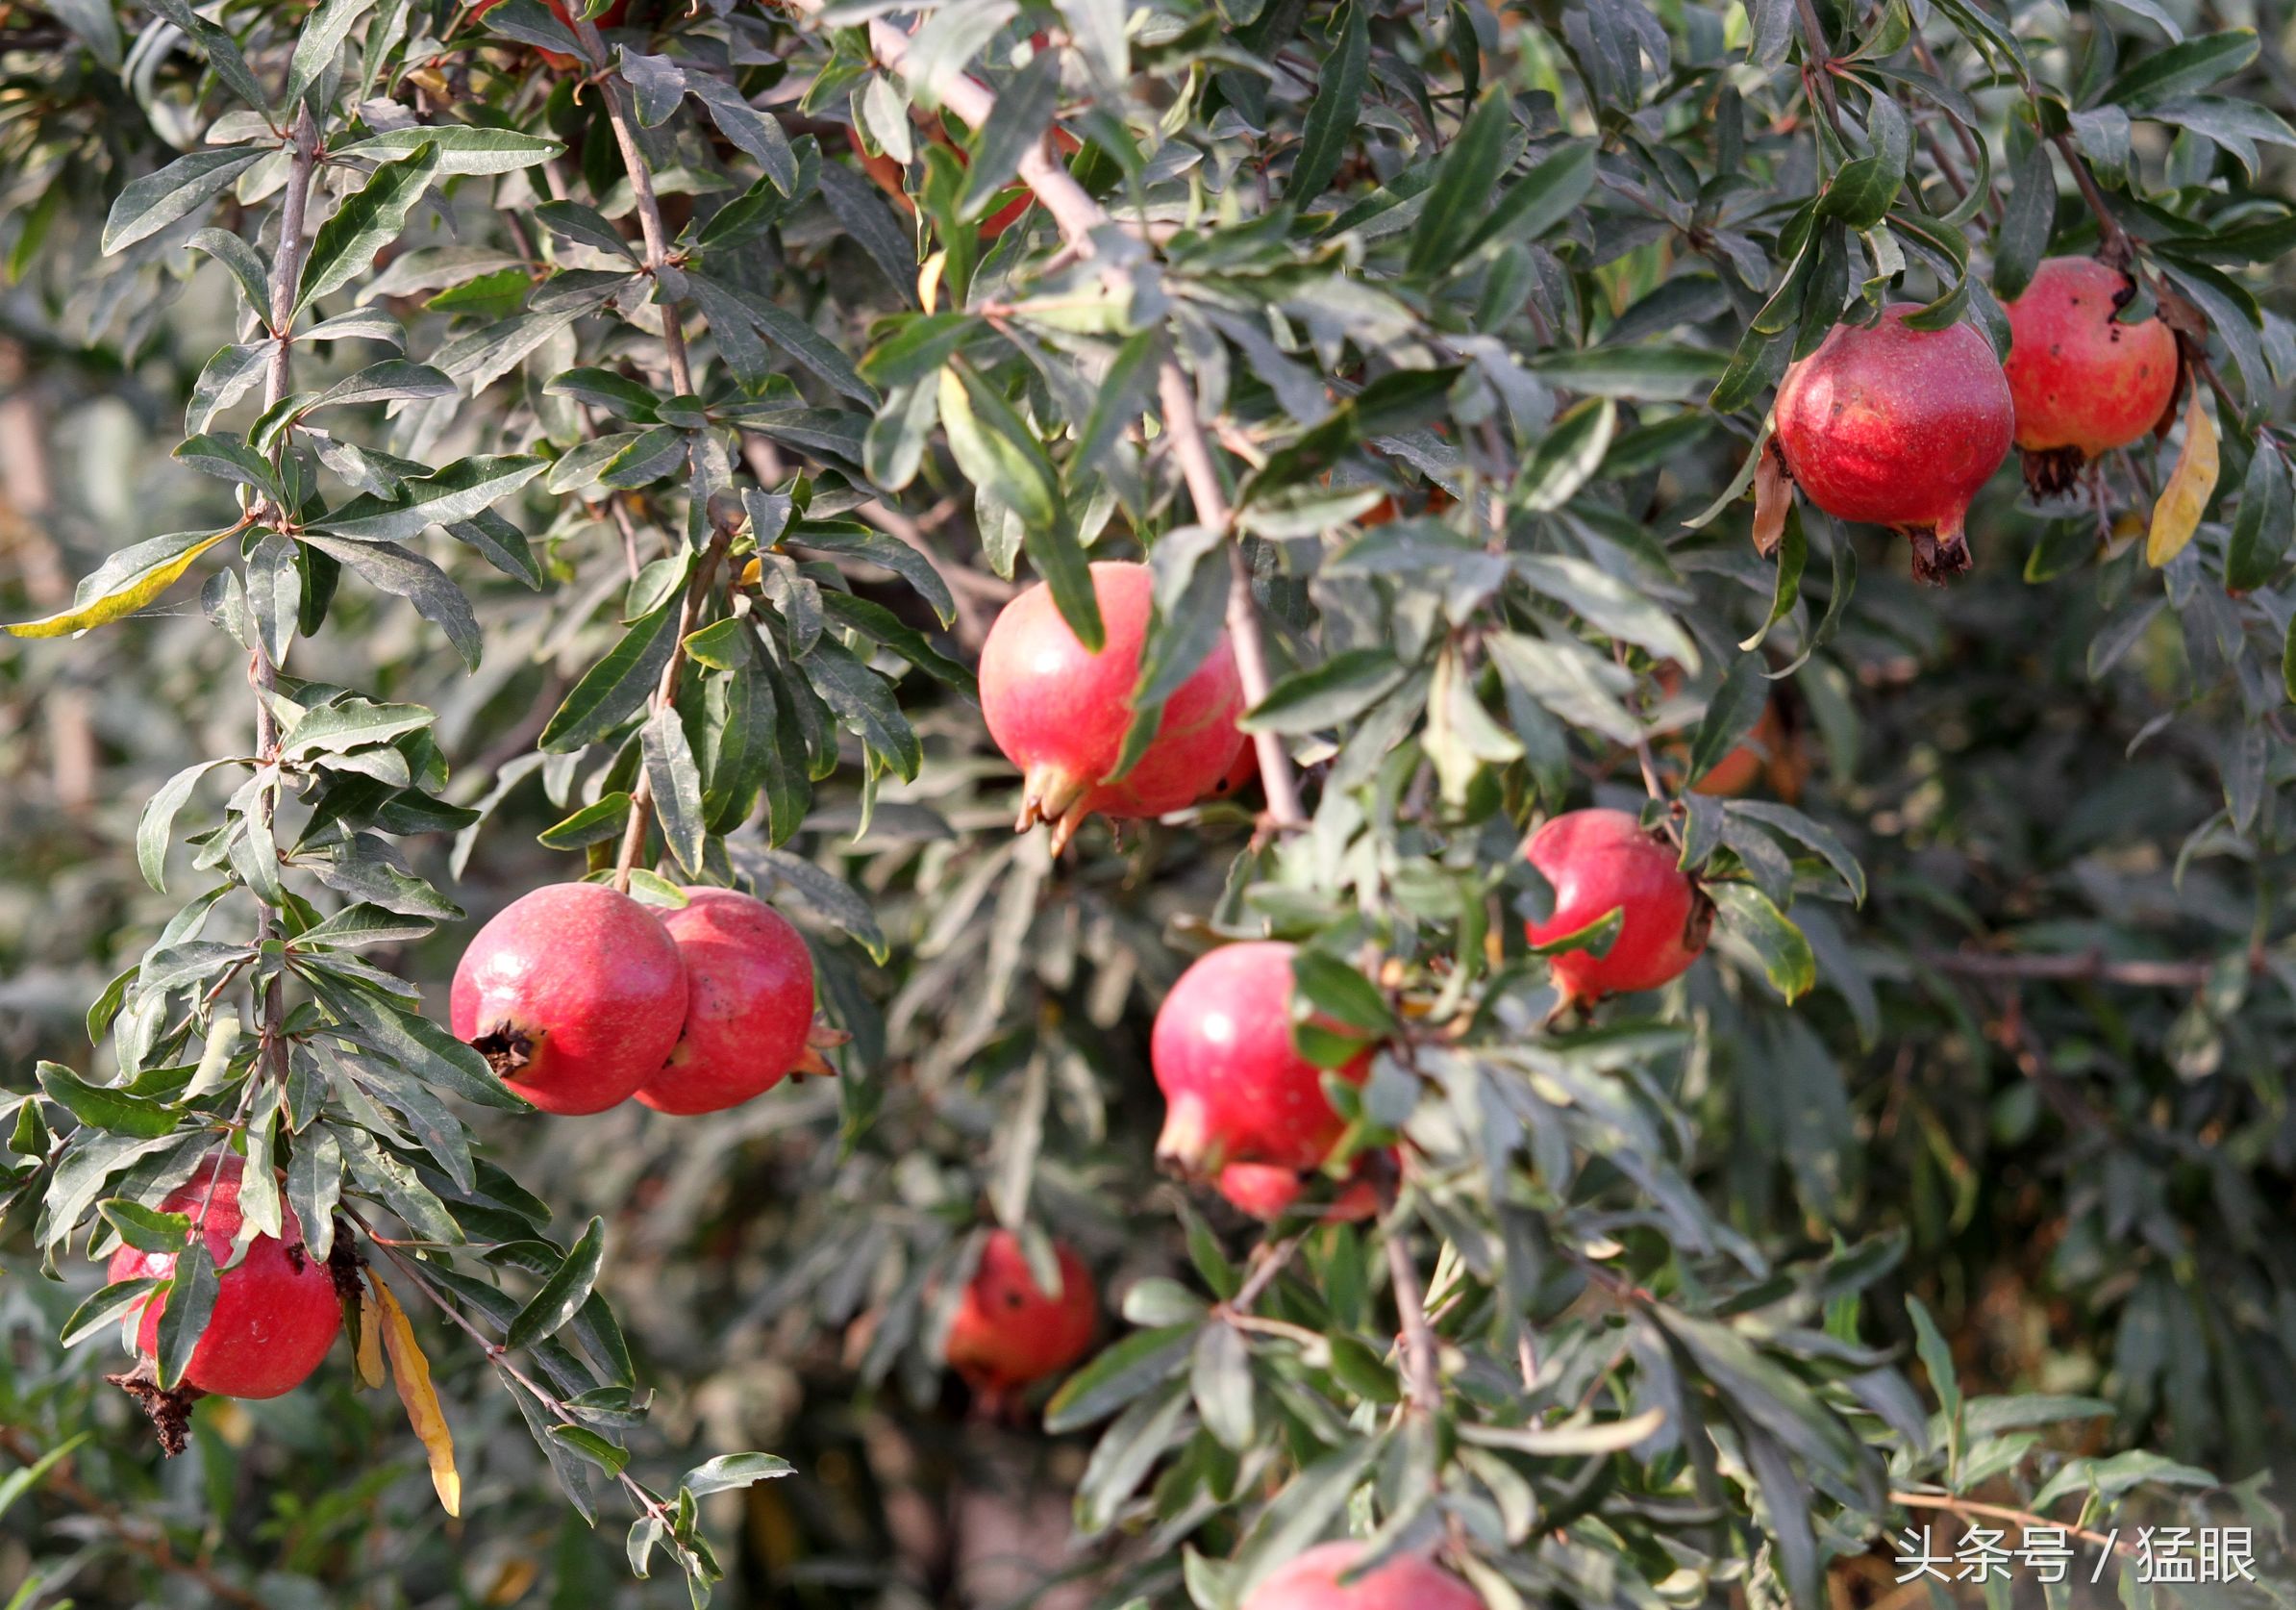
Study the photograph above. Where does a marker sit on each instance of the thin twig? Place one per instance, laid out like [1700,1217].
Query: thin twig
[2088,968]
[1818,62]
[666,695]
[648,207]
[153,1550]
[1422,1371]
[2025,1519]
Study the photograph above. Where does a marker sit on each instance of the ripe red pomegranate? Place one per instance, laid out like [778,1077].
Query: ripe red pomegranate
[1236,1089]
[1059,712]
[2084,382]
[575,994]
[1008,1334]
[1312,1582]
[749,1006]
[276,1313]
[1600,862]
[1267,1190]
[1900,428]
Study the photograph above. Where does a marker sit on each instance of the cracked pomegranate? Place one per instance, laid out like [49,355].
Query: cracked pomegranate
[2083,382]
[275,1313]
[1898,427]
[1008,1333]
[575,994]
[1236,1089]
[1603,861]
[749,1006]
[1311,1581]
[1059,711]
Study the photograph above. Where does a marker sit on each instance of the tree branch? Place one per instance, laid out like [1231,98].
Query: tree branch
[666,695]
[1078,216]
[2025,1519]
[1422,1369]
[2090,967]
[649,206]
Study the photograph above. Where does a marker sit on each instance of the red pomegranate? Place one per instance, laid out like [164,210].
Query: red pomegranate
[1600,862]
[1408,1582]
[2084,382]
[1898,427]
[275,1313]
[1059,711]
[575,994]
[1267,1192]
[559,59]
[1235,1087]
[1008,1334]
[749,1003]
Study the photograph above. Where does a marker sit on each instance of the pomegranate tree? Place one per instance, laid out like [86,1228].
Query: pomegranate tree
[1236,1089]
[2083,383]
[276,1312]
[1600,861]
[1008,1333]
[1311,1581]
[574,994]
[749,1006]
[1899,427]
[1059,711]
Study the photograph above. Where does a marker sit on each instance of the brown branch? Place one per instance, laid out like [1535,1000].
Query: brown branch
[649,206]
[2025,1519]
[1818,62]
[2086,968]
[1078,216]
[1422,1377]
[152,1550]
[666,695]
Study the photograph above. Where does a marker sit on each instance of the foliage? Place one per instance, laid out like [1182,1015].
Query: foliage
[580,455]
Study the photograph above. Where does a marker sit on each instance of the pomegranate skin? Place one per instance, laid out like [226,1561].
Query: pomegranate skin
[2082,380]
[575,994]
[749,1003]
[1898,427]
[1312,1582]
[1060,712]
[1008,1334]
[1600,862]
[1236,1090]
[1267,1192]
[275,1315]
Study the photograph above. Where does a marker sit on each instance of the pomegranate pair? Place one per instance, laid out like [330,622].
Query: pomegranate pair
[1900,427]
[1059,711]
[580,998]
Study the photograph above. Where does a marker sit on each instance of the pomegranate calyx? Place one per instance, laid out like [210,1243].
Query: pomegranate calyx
[507,1047]
[1185,1147]
[169,1410]
[1056,796]
[1940,553]
[2052,471]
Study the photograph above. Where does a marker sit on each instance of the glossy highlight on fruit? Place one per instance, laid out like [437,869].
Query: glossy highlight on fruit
[1313,1582]
[276,1313]
[749,1006]
[1236,1089]
[575,994]
[1008,1333]
[1060,712]
[2083,382]
[1898,427]
[1600,862]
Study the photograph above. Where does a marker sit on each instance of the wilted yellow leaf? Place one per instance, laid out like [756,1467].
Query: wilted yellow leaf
[411,1372]
[370,1336]
[929,281]
[122,585]
[2185,497]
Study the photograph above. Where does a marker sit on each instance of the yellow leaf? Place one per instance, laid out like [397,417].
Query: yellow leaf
[929,280]
[371,1337]
[750,573]
[123,584]
[2185,497]
[411,1372]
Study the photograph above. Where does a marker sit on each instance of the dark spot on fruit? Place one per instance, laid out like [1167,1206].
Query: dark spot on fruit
[1014,1299]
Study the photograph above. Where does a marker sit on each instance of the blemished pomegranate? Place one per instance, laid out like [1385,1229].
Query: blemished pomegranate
[1008,1334]
[1408,1582]
[1898,427]
[1268,1191]
[1235,1087]
[748,1004]
[1060,712]
[1600,862]
[2083,382]
[276,1313]
[575,994]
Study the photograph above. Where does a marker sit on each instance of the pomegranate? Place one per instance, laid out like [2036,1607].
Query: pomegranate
[748,1004]
[1898,427]
[559,59]
[1312,1582]
[1240,776]
[1236,1087]
[1059,712]
[275,1313]
[2084,382]
[1267,1192]
[1008,1334]
[1600,862]
[575,994]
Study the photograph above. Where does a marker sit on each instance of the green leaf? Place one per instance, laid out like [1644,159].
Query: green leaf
[1542,198]
[103,1107]
[1729,714]
[1331,125]
[1567,457]
[1136,1365]
[145,1229]
[150,204]
[616,688]
[608,1457]
[459,492]
[1466,176]
[729,1471]
[1025,104]
[366,222]
[1785,957]
[103,1309]
[593,824]
[677,782]
[191,1304]
[154,827]
[996,449]
[2182,69]
[460,147]
[319,39]
[1326,695]
[1220,1379]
